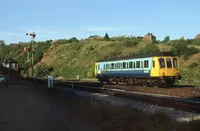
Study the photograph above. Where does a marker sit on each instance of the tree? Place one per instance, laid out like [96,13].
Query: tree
[166,39]
[2,43]
[73,40]
[106,37]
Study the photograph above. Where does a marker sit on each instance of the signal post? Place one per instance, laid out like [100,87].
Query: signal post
[32,51]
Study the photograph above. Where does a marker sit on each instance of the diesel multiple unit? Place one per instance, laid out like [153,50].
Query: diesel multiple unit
[157,69]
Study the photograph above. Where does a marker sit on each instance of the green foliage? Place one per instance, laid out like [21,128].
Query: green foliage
[150,48]
[130,43]
[2,43]
[106,37]
[180,48]
[73,40]
[40,49]
[43,70]
[166,39]
[90,74]
[193,65]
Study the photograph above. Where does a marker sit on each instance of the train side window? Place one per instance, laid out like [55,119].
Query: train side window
[162,62]
[169,62]
[121,65]
[133,64]
[112,66]
[124,65]
[142,64]
[104,66]
[137,64]
[130,64]
[153,64]
[146,64]
[98,67]
[175,63]
[127,65]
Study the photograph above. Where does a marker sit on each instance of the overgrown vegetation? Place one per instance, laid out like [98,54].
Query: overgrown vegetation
[71,57]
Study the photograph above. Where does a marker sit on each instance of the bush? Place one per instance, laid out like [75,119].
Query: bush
[182,49]
[43,70]
[130,43]
[90,74]
[149,49]
[73,40]
[193,65]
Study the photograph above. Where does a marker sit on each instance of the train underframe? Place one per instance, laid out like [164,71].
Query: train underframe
[164,81]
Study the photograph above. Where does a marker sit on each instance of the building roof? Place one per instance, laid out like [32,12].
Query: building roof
[197,37]
[11,60]
[138,56]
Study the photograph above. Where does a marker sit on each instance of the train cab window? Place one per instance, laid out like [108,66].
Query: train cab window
[124,65]
[175,63]
[137,64]
[162,62]
[98,67]
[153,64]
[146,64]
[130,64]
[169,62]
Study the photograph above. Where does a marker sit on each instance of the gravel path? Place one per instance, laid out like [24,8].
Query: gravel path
[23,108]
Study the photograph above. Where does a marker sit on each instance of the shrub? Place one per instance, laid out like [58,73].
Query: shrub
[43,70]
[130,43]
[73,40]
[149,49]
[181,49]
[90,74]
[193,65]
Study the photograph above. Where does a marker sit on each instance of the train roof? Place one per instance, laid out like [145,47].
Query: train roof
[138,56]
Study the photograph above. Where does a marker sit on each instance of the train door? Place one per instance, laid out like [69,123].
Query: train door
[162,66]
[155,67]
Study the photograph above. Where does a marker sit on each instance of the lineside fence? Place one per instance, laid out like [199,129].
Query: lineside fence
[62,82]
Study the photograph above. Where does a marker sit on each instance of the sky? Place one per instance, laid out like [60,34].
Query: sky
[63,19]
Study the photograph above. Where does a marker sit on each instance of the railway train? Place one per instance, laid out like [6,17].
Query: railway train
[159,69]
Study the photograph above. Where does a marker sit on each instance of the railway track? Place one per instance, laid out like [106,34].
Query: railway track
[184,104]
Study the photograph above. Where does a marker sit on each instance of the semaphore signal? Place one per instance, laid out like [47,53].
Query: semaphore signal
[31,34]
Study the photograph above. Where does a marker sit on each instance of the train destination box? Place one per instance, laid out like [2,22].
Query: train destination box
[50,81]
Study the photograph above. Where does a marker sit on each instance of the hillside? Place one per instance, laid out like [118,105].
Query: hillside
[69,58]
